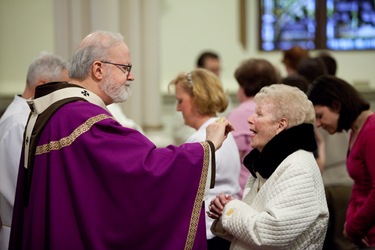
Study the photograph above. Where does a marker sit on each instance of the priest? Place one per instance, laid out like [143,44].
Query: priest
[87,182]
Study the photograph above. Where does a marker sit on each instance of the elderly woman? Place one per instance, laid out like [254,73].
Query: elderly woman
[251,76]
[284,205]
[200,96]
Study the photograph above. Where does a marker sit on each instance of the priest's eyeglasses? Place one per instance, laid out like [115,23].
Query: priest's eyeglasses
[126,68]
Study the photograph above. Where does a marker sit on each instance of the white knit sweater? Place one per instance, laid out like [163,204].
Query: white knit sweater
[288,212]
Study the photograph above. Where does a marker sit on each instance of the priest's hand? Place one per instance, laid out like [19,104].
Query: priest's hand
[217,205]
[218,131]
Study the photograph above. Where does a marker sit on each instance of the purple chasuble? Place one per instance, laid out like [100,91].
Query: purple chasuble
[98,185]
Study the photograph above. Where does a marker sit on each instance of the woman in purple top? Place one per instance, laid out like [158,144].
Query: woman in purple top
[251,75]
[338,107]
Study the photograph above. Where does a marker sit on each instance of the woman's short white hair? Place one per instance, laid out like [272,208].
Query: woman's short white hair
[287,102]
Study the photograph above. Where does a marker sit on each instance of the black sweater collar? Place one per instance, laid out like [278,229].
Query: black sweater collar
[279,147]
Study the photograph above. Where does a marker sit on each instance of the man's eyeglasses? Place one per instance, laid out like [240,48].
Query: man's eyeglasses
[126,68]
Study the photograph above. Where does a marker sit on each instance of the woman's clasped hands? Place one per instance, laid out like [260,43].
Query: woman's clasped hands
[217,205]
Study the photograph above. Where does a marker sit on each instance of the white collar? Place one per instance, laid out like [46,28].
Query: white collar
[39,105]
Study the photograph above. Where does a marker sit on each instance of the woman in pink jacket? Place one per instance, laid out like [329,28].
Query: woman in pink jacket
[339,106]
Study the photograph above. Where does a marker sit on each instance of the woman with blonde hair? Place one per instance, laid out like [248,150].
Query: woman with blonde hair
[200,96]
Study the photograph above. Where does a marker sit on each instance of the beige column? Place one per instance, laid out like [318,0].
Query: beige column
[63,46]
[104,15]
[140,24]
[71,24]
[152,118]
[130,27]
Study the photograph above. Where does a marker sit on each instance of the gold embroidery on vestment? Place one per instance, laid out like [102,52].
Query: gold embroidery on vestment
[68,140]
[193,227]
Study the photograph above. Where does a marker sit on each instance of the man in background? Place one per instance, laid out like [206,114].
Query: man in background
[45,68]
[330,62]
[211,61]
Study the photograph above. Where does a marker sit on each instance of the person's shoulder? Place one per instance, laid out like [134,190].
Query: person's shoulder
[14,120]
[83,108]
[230,149]
[300,155]
[80,112]
[301,169]
[300,160]
[197,136]
[16,114]
[12,126]
[16,107]
[371,120]
[367,131]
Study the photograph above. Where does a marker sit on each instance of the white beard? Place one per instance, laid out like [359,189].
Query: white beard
[118,93]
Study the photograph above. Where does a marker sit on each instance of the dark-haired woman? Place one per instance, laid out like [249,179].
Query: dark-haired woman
[339,106]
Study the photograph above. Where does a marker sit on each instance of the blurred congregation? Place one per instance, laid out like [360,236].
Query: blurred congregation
[155,30]
[194,63]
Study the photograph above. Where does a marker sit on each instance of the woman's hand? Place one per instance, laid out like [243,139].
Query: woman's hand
[362,243]
[217,205]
